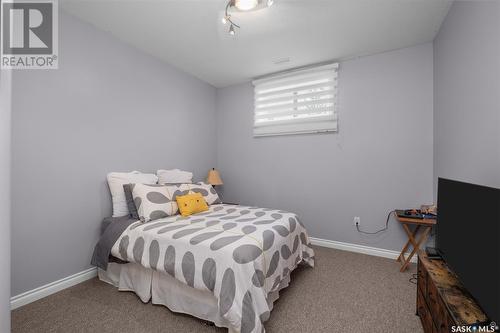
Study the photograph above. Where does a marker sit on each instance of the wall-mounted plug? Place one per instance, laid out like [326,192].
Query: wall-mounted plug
[356,220]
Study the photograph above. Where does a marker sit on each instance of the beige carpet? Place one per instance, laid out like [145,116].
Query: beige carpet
[345,292]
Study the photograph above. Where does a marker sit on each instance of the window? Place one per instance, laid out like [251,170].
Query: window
[302,101]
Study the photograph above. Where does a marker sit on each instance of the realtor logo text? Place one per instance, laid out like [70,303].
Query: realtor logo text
[29,34]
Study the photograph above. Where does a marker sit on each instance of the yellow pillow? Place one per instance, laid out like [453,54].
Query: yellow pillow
[191,204]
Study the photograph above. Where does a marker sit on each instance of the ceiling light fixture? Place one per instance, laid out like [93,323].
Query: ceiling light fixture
[245,4]
[242,6]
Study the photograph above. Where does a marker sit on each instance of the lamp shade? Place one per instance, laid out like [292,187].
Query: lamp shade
[213,177]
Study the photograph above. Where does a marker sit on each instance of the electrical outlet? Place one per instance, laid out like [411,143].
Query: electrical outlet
[357,220]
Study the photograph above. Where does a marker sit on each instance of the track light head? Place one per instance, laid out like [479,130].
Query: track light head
[242,6]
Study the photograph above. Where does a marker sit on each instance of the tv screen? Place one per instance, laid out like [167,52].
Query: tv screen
[468,237]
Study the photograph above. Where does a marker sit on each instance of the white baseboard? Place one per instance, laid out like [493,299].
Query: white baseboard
[69,281]
[372,251]
[51,288]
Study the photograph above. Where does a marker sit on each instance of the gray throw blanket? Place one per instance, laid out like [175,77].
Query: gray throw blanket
[112,227]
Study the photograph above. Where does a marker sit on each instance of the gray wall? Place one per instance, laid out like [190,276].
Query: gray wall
[111,108]
[467,94]
[5,140]
[380,159]
[107,108]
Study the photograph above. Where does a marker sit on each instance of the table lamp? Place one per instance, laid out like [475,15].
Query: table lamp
[213,177]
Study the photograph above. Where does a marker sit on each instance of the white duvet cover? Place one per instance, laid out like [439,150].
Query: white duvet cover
[240,254]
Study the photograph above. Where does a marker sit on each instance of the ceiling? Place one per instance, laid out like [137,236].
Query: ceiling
[189,34]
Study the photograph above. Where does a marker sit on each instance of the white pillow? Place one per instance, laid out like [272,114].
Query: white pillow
[158,201]
[116,180]
[174,176]
[207,191]
[155,201]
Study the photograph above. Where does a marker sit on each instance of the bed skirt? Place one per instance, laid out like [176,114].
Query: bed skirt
[163,289]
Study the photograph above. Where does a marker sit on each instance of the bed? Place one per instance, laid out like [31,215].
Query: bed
[226,265]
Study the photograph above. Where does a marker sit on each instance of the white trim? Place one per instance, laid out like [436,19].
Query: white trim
[372,251]
[69,281]
[51,288]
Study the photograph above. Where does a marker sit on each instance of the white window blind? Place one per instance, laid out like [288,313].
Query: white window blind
[303,101]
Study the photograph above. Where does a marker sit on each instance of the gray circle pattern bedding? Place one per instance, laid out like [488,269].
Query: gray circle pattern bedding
[239,253]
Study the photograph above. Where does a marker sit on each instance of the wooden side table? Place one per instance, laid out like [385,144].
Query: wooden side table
[425,225]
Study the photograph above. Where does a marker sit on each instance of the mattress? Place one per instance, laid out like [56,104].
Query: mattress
[238,257]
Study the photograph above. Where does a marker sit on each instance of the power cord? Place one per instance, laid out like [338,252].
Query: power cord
[381,230]
[414,277]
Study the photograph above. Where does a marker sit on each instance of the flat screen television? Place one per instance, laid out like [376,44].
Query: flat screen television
[468,239]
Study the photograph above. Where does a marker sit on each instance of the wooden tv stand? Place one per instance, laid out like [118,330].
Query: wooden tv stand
[442,301]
